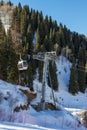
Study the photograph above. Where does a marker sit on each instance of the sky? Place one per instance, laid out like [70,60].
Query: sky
[72,13]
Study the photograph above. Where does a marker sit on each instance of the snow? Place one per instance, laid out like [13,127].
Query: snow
[5,18]
[13,94]
[16,126]
[63,67]
[30,119]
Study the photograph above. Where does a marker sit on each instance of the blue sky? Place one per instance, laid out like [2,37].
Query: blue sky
[72,13]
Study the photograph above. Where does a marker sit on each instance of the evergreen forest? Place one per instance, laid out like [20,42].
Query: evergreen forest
[30,33]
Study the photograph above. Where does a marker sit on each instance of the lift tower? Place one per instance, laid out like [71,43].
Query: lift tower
[45,57]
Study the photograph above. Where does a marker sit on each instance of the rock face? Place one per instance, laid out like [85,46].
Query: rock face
[29,94]
[5,15]
[5,18]
[83,117]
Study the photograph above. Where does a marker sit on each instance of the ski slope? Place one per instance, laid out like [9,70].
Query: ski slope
[16,126]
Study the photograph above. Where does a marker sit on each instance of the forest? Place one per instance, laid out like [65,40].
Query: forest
[30,33]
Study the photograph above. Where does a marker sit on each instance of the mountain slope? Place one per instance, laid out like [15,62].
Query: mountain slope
[59,119]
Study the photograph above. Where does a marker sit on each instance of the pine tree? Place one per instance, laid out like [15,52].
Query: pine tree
[29,36]
[40,67]
[2,33]
[12,71]
[39,18]
[81,70]
[38,40]
[73,83]
[52,76]
[23,22]
[33,20]
[82,55]
[3,53]
[46,44]
[30,77]
[3,62]
[81,77]
[51,40]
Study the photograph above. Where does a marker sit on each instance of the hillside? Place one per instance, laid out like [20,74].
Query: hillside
[25,33]
[64,118]
[30,33]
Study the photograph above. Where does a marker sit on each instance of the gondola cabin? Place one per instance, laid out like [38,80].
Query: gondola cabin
[22,65]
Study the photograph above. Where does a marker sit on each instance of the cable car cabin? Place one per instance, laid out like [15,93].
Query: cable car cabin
[22,65]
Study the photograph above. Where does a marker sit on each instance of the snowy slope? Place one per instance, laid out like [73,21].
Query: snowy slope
[65,98]
[61,120]
[16,126]
[63,71]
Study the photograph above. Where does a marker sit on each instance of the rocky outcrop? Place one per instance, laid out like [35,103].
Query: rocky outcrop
[29,94]
[83,117]
[5,15]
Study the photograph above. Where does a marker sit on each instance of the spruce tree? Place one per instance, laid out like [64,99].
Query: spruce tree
[46,45]
[30,77]
[73,83]
[40,67]
[81,70]
[23,22]
[52,76]
[38,40]
[12,71]
[81,77]
[3,62]
[3,53]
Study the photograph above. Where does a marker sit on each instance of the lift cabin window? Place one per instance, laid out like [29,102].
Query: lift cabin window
[24,64]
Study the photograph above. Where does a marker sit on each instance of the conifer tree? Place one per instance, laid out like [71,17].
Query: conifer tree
[46,44]
[33,20]
[51,36]
[3,52]
[12,71]
[52,75]
[3,62]
[23,22]
[81,70]
[81,77]
[30,77]
[38,40]
[82,55]
[61,36]
[39,18]
[40,67]
[73,83]
[2,33]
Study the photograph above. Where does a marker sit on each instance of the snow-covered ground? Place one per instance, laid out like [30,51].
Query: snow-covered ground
[16,126]
[63,119]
